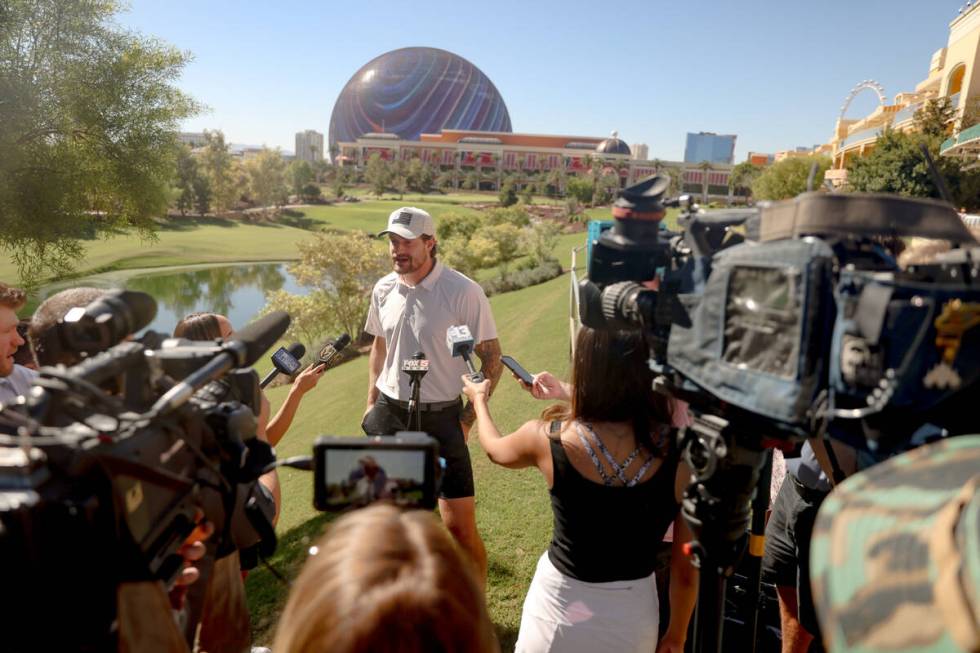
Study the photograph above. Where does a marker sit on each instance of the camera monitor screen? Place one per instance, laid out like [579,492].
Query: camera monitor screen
[353,472]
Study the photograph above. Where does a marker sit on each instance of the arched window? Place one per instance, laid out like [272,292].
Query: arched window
[956,80]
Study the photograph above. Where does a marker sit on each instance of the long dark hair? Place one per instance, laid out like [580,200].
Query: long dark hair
[612,382]
[198,326]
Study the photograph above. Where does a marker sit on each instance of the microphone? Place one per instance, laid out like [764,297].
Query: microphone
[286,361]
[330,350]
[247,347]
[460,343]
[417,364]
[106,321]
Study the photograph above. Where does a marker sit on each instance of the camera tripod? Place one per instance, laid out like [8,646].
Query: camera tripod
[725,507]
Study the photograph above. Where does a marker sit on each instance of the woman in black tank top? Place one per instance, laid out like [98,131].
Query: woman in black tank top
[615,483]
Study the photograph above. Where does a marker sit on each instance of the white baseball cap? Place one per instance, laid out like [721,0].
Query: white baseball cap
[410,222]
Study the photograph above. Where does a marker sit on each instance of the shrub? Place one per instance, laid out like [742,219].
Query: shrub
[522,279]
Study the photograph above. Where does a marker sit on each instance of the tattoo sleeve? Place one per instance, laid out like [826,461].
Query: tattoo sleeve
[488,352]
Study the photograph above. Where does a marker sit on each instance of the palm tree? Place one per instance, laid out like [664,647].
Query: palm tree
[657,165]
[705,167]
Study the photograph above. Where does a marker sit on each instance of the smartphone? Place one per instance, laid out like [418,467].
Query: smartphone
[285,362]
[352,472]
[516,368]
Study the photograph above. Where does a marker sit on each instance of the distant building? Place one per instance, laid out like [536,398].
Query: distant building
[954,73]
[711,147]
[309,146]
[759,159]
[640,151]
[194,139]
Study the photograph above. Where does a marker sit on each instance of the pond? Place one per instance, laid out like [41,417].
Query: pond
[238,290]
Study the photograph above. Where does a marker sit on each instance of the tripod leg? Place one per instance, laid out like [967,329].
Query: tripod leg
[757,546]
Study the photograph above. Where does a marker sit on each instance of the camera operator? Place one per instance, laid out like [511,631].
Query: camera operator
[15,379]
[607,459]
[145,618]
[386,581]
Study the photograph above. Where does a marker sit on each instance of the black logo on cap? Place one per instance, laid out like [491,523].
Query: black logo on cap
[404,218]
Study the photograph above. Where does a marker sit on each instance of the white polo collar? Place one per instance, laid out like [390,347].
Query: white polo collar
[430,280]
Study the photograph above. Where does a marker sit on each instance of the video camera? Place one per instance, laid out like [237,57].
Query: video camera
[782,323]
[403,469]
[110,464]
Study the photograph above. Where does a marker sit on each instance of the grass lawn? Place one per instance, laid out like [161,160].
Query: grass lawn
[187,241]
[512,506]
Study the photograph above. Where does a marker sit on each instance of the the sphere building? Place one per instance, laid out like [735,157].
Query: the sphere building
[412,91]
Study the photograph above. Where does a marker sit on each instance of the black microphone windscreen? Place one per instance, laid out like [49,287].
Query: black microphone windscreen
[418,356]
[297,349]
[342,341]
[142,309]
[260,335]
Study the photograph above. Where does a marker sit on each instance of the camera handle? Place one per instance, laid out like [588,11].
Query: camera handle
[726,471]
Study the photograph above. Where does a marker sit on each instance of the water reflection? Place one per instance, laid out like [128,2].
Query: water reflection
[238,291]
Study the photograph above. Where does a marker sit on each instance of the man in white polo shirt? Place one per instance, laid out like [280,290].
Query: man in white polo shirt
[411,309]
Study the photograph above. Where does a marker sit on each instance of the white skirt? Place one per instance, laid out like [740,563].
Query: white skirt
[564,615]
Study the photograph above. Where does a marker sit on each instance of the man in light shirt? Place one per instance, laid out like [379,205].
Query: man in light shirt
[410,311]
[15,380]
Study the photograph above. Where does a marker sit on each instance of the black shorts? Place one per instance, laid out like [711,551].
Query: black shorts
[787,558]
[385,418]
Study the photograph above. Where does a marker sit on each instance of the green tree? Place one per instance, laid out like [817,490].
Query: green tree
[676,186]
[514,215]
[542,237]
[299,173]
[457,225]
[896,165]
[971,114]
[340,270]
[220,170]
[341,180]
[705,167]
[377,174]
[444,181]
[935,118]
[310,192]
[202,194]
[555,181]
[787,178]
[471,181]
[88,117]
[579,188]
[741,178]
[267,178]
[507,195]
[187,175]
[605,189]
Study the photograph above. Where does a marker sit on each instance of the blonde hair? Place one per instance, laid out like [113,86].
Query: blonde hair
[384,580]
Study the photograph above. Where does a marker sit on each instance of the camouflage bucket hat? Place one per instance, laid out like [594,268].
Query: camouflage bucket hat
[895,556]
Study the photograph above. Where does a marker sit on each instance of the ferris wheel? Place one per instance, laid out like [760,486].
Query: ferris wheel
[868,84]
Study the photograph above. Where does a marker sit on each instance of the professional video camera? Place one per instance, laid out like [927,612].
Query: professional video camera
[782,323]
[110,464]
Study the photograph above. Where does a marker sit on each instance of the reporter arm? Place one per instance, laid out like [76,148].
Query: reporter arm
[683,578]
[523,448]
[305,381]
[271,479]
[376,361]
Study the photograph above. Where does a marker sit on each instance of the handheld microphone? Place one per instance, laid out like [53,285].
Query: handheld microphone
[417,364]
[285,361]
[330,350]
[460,343]
[248,346]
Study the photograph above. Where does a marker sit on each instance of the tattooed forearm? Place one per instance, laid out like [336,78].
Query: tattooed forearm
[489,353]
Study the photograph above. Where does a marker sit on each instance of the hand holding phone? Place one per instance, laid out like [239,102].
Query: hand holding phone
[518,371]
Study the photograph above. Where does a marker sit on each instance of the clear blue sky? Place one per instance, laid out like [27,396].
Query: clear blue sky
[774,73]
